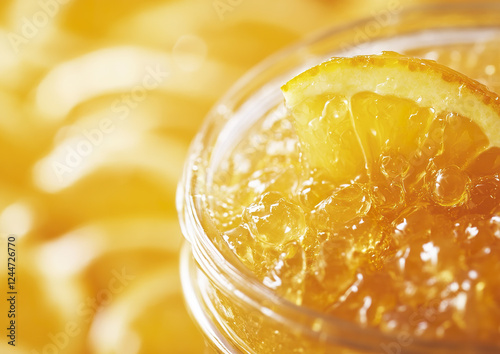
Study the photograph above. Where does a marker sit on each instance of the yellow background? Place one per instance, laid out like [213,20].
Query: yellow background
[99,100]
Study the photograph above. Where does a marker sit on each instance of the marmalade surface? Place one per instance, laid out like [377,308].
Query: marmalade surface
[374,209]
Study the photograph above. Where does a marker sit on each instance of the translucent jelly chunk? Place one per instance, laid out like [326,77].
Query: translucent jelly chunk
[343,205]
[394,164]
[288,272]
[242,243]
[414,222]
[449,186]
[315,189]
[274,221]
[484,195]
[334,268]
[388,196]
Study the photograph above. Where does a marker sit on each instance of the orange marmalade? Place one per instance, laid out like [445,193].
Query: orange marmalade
[393,226]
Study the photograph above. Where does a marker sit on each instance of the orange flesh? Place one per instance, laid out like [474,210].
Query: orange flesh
[406,237]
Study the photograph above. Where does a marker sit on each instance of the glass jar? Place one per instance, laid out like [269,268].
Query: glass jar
[237,313]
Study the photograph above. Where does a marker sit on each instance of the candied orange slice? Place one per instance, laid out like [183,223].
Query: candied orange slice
[362,116]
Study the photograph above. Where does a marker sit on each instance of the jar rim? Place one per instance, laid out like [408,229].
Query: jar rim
[217,261]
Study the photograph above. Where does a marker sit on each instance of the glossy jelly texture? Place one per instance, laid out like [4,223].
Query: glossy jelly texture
[401,232]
